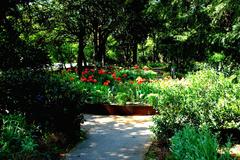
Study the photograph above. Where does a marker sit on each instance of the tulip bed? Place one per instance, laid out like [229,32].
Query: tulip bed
[116,84]
[111,75]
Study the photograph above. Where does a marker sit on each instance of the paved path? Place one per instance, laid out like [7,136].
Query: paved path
[114,138]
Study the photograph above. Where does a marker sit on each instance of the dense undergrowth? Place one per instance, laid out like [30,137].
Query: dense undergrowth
[203,98]
[39,112]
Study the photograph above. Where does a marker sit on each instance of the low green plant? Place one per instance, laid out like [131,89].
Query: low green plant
[16,138]
[217,57]
[196,144]
[121,98]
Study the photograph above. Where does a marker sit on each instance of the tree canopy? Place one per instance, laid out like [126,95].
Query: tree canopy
[83,31]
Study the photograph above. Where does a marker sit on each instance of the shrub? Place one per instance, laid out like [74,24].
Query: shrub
[204,98]
[50,100]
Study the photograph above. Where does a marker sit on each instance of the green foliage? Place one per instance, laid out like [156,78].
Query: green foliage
[50,100]
[217,57]
[98,94]
[16,138]
[195,144]
[134,73]
[204,98]
[189,30]
[152,99]
[122,98]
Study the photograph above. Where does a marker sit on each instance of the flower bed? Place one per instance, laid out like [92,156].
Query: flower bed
[111,75]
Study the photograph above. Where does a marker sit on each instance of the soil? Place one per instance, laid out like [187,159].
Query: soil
[158,151]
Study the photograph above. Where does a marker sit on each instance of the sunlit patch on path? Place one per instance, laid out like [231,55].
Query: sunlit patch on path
[114,138]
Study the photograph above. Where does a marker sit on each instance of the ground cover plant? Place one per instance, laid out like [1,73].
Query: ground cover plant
[17,141]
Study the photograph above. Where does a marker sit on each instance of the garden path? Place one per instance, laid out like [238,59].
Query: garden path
[114,138]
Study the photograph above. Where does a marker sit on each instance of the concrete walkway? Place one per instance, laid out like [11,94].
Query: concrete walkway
[114,138]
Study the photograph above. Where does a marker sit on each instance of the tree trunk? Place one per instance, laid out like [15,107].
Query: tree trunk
[102,50]
[95,41]
[135,53]
[100,41]
[81,56]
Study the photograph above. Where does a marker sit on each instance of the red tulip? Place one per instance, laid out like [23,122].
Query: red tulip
[140,80]
[124,75]
[83,79]
[101,71]
[114,75]
[136,67]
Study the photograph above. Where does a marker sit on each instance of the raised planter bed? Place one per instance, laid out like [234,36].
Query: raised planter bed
[114,109]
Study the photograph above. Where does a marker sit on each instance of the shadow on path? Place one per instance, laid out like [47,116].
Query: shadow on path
[113,138]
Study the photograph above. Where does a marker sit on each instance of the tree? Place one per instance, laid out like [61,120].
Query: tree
[104,17]
[74,17]
[182,35]
[15,51]
[63,24]
[134,29]
[191,30]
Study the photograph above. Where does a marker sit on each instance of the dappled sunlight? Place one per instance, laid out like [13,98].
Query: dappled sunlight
[132,124]
[115,137]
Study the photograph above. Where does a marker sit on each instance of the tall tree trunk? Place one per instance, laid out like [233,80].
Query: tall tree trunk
[95,41]
[100,40]
[134,53]
[81,56]
[102,50]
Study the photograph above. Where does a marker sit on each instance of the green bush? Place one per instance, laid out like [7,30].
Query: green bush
[192,144]
[16,140]
[50,100]
[204,98]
